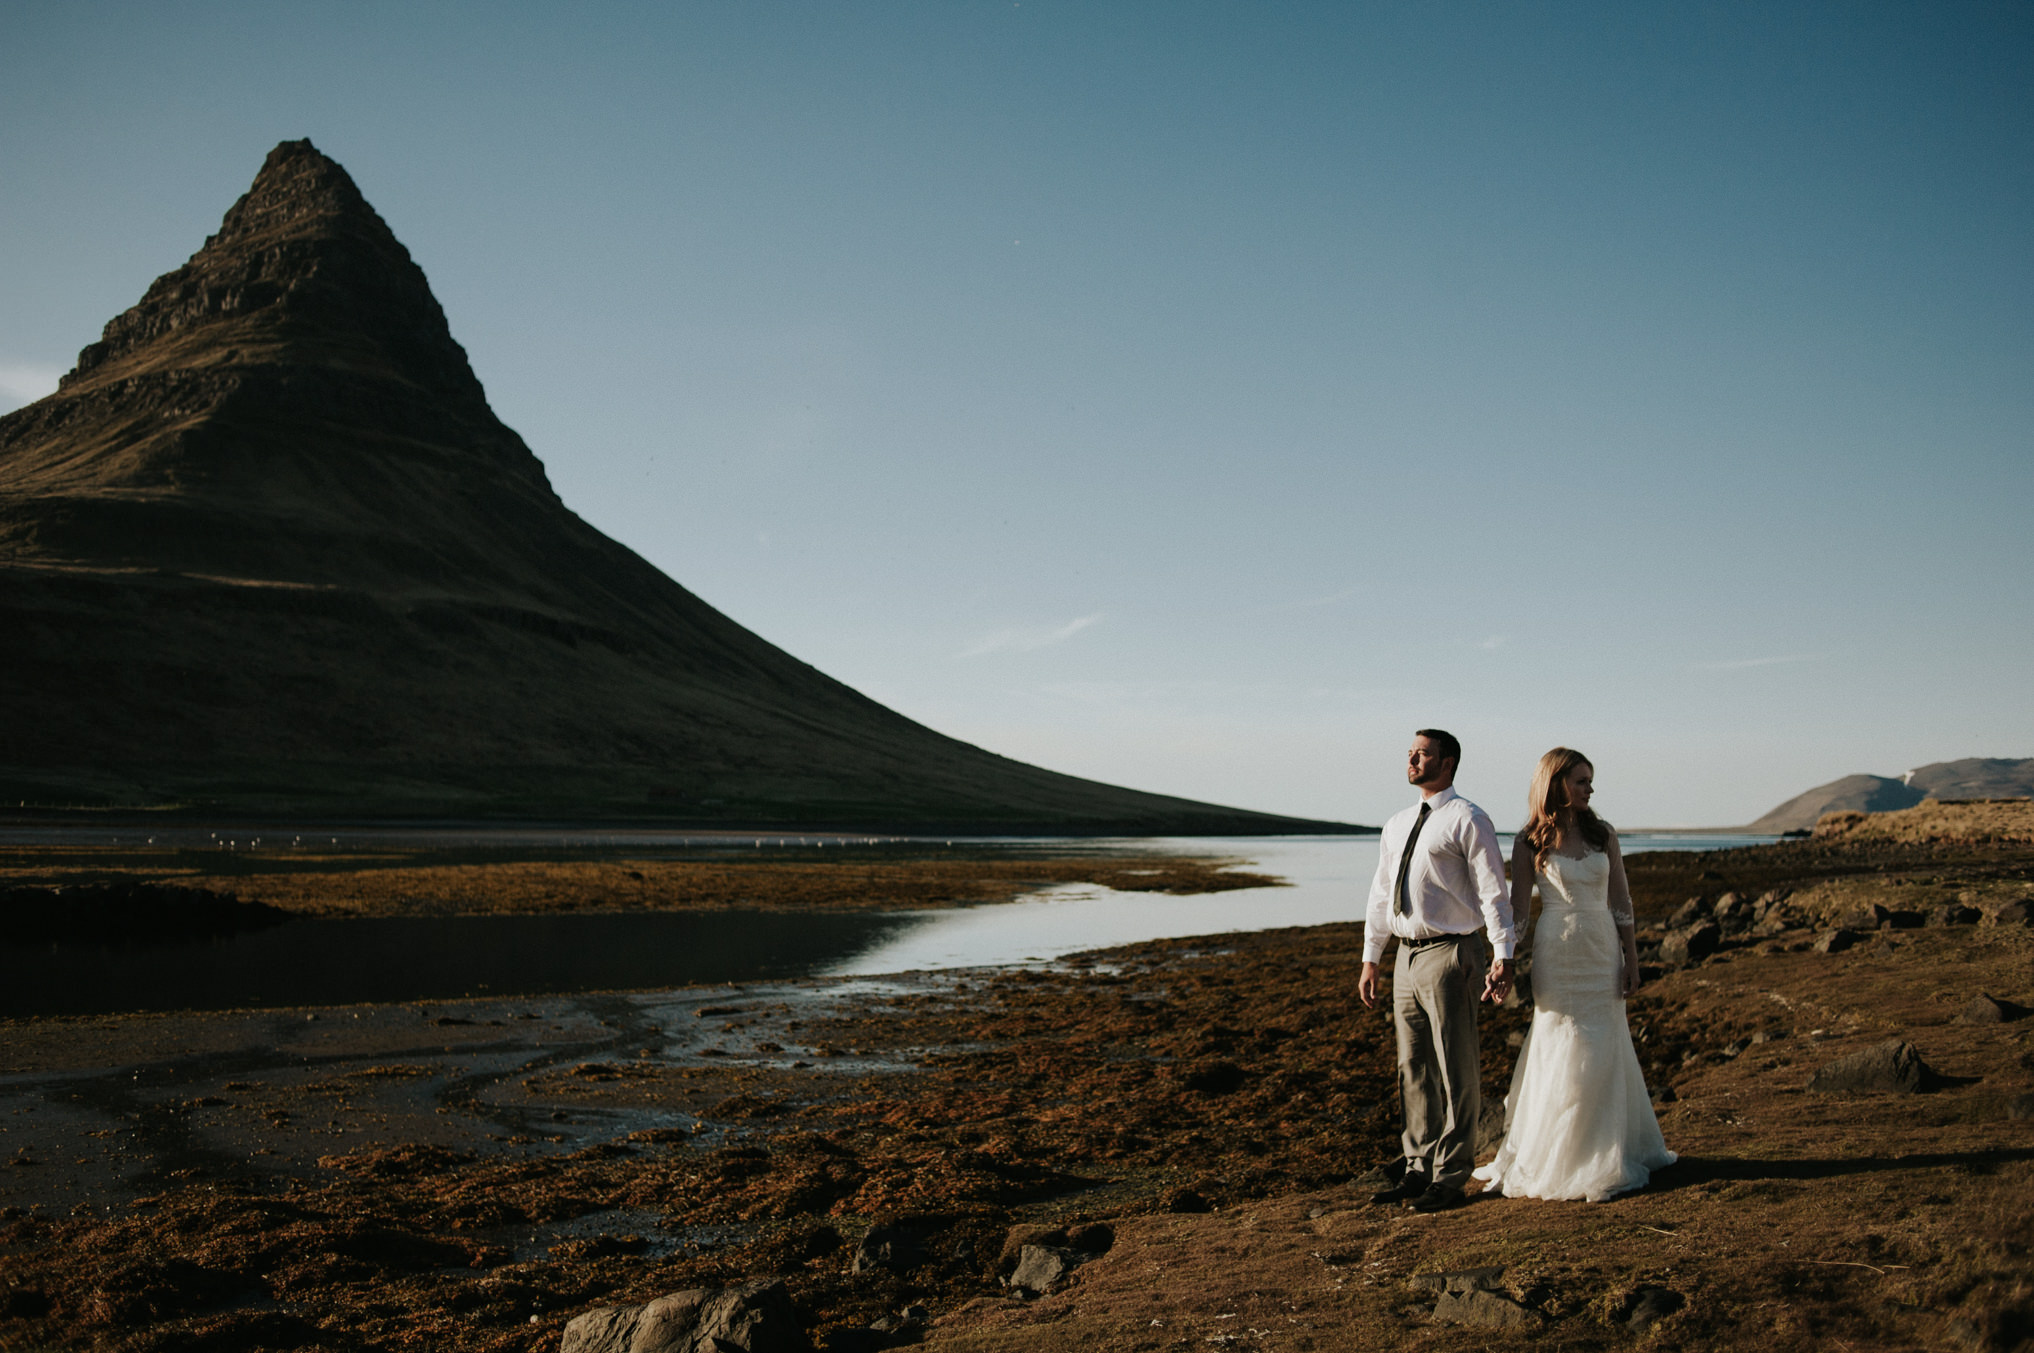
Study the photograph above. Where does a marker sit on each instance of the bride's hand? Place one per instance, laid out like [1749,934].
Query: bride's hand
[1631,975]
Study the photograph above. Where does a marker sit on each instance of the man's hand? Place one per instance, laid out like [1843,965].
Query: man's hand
[1497,984]
[1370,986]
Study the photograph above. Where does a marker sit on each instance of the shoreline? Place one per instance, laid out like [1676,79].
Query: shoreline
[377,1176]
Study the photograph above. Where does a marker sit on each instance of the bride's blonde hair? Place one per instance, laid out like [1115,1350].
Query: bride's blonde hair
[1548,799]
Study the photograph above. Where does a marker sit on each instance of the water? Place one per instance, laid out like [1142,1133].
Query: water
[1329,878]
[381,959]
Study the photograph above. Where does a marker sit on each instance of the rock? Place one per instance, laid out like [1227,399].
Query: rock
[1769,1035]
[1692,945]
[1864,916]
[1017,1237]
[1732,912]
[1735,1048]
[753,1318]
[1688,913]
[1650,1304]
[1892,1067]
[2020,1106]
[1184,1200]
[1462,1280]
[1984,1009]
[1040,1267]
[1903,920]
[1664,1094]
[1955,913]
[887,1246]
[2013,913]
[1486,1310]
[1835,941]
[1490,1124]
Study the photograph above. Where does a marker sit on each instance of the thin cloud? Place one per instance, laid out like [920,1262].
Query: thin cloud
[1493,643]
[1739,664]
[24,384]
[1029,640]
[1306,603]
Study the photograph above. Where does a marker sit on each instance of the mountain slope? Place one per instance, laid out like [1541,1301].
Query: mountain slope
[1971,778]
[267,547]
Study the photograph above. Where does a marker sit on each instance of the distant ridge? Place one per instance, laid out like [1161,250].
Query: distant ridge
[267,548]
[1971,778]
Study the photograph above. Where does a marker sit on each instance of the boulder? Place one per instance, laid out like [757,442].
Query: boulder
[887,1246]
[1985,1009]
[1490,1124]
[1955,913]
[1688,913]
[1863,916]
[2013,913]
[1835,941]
[1485,1310]
[1692,945]
[1042,1267]
[1891,1067]
[1462,1280]
[753,1318]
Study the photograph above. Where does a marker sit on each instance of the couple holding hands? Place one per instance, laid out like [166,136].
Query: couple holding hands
[1579,1121]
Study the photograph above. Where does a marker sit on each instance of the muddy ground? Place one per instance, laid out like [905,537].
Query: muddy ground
[470,1175]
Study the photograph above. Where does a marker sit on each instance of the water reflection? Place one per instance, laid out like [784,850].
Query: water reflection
[337,962]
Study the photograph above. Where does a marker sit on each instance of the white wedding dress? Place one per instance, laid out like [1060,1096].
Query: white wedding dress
[1578,1120]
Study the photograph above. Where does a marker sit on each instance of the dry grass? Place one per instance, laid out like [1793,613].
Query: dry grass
[408,884]
[1957,821]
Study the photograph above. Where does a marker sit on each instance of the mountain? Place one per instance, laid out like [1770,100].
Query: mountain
[267,548]
[1971,778]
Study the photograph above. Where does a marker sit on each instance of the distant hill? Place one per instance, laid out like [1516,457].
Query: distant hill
[268,548]
[1971,778]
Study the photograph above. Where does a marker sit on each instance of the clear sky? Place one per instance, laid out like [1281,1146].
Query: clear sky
[1197,396]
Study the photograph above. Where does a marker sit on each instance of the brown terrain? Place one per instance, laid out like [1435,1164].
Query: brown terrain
[268,549]
[1178,1131]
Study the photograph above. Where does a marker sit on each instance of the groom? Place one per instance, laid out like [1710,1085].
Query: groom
[1440,889]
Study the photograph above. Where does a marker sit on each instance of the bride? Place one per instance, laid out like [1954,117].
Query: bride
[1579,1122]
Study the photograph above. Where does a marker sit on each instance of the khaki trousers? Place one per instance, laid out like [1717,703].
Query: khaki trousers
[1434,992]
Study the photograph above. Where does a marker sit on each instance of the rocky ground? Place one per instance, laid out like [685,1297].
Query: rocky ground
[1175,1130]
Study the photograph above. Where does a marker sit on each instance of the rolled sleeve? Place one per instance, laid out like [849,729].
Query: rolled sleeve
[1486,873]
[1377,914]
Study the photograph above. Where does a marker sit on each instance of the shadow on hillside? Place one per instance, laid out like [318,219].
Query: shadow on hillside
[1690,1171]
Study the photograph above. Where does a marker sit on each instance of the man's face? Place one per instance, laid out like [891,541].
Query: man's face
[1426,767]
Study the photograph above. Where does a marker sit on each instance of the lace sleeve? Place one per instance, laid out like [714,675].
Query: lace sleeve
[1620,889]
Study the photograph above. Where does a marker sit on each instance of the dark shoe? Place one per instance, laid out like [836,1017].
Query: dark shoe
[1437,1198]
[1411,1186]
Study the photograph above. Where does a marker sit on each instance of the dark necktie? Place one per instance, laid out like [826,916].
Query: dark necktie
[1401,903]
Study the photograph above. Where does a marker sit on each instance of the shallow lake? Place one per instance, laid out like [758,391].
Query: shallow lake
[331,962]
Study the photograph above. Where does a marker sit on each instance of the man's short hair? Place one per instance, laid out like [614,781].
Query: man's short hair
[1444,743]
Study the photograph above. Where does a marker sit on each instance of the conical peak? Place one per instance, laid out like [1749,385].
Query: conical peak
[301,268]
[299,191]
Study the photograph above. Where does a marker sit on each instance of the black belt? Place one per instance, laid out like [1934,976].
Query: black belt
[1437,939]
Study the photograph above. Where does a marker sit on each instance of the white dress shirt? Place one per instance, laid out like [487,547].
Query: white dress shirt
[1456,884]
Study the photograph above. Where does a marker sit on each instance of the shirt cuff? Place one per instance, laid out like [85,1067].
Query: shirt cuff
[1505,949]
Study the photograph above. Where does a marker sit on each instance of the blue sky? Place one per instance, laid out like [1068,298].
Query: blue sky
[1197,396]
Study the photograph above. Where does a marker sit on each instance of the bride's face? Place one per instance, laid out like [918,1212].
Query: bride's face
[1578,784]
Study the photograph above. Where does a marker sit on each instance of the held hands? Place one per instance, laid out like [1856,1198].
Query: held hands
[1497,983]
